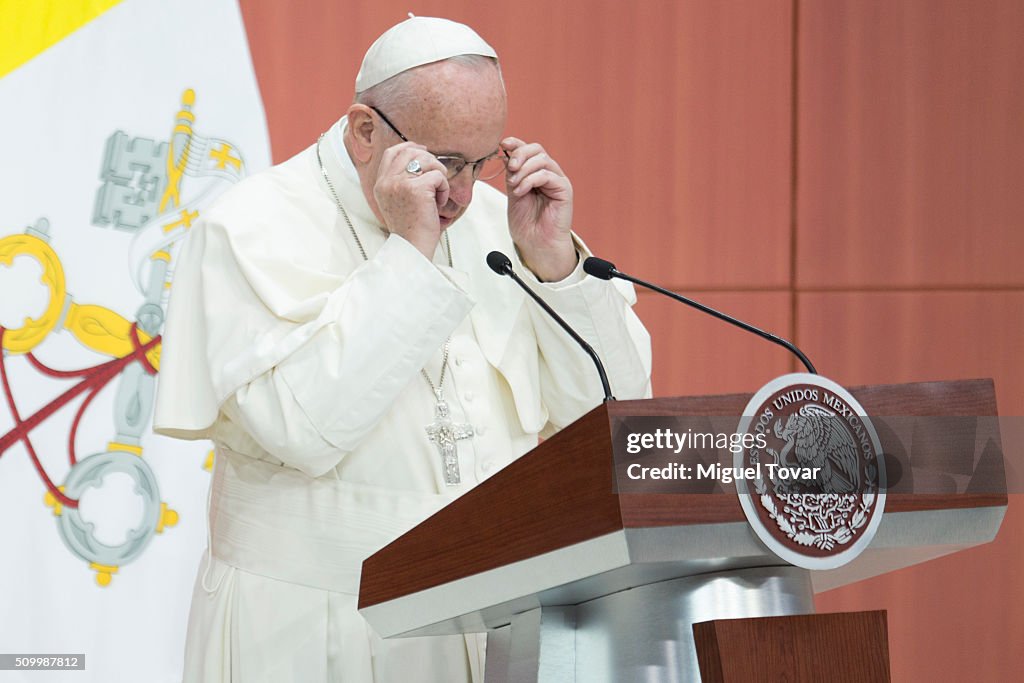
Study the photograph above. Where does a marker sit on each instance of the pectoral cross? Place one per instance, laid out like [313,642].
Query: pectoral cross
[444,433]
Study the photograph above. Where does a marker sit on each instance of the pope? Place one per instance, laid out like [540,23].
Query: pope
[335,330]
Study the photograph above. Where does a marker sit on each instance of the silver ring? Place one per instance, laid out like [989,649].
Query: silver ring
[414,167]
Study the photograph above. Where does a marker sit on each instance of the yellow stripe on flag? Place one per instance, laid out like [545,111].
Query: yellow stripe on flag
[31,26]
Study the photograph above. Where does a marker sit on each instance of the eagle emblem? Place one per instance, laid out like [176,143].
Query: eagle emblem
[817,439]
[817,497]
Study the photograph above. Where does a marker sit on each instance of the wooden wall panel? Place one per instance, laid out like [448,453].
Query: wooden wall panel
[671,118]
[869,337]
[681,129]
[696,354]
[955,618]
[911,158]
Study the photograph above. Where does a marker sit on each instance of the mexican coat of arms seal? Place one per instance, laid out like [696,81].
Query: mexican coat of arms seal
[816,492]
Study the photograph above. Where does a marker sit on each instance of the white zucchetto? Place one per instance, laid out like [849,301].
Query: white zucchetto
[415,42]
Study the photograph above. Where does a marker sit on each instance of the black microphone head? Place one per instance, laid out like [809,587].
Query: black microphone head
[598,267]
[499,263]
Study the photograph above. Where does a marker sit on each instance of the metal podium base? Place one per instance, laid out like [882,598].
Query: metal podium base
[641,635]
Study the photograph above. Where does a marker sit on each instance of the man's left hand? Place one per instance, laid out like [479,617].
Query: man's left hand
[539,210]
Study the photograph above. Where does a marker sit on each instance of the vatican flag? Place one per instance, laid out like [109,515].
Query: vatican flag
[122,121]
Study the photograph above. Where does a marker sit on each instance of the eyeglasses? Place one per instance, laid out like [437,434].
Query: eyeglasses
[491,166]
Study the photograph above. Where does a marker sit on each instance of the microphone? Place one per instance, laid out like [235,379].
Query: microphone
[606,270]
[501,265]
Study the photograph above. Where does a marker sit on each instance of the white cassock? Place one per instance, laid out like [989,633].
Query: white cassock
[302,362]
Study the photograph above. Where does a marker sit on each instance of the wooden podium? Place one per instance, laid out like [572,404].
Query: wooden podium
[573,581]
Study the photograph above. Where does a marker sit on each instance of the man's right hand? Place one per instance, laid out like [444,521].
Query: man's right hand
[409,202]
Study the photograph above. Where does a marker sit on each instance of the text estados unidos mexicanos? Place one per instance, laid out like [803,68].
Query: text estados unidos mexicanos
[666,439]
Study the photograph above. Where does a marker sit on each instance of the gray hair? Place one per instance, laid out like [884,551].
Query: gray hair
[397,92]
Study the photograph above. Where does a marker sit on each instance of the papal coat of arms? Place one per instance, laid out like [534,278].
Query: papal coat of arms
[816,492]
[153,190]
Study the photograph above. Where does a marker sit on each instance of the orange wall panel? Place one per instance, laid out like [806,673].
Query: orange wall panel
[911,157]
[696,354]
[680,137]
[876,337]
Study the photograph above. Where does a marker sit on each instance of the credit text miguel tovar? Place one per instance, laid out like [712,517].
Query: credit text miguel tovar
[666,439]
[719,472]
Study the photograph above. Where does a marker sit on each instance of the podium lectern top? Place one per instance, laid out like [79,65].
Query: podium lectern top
[550,530]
